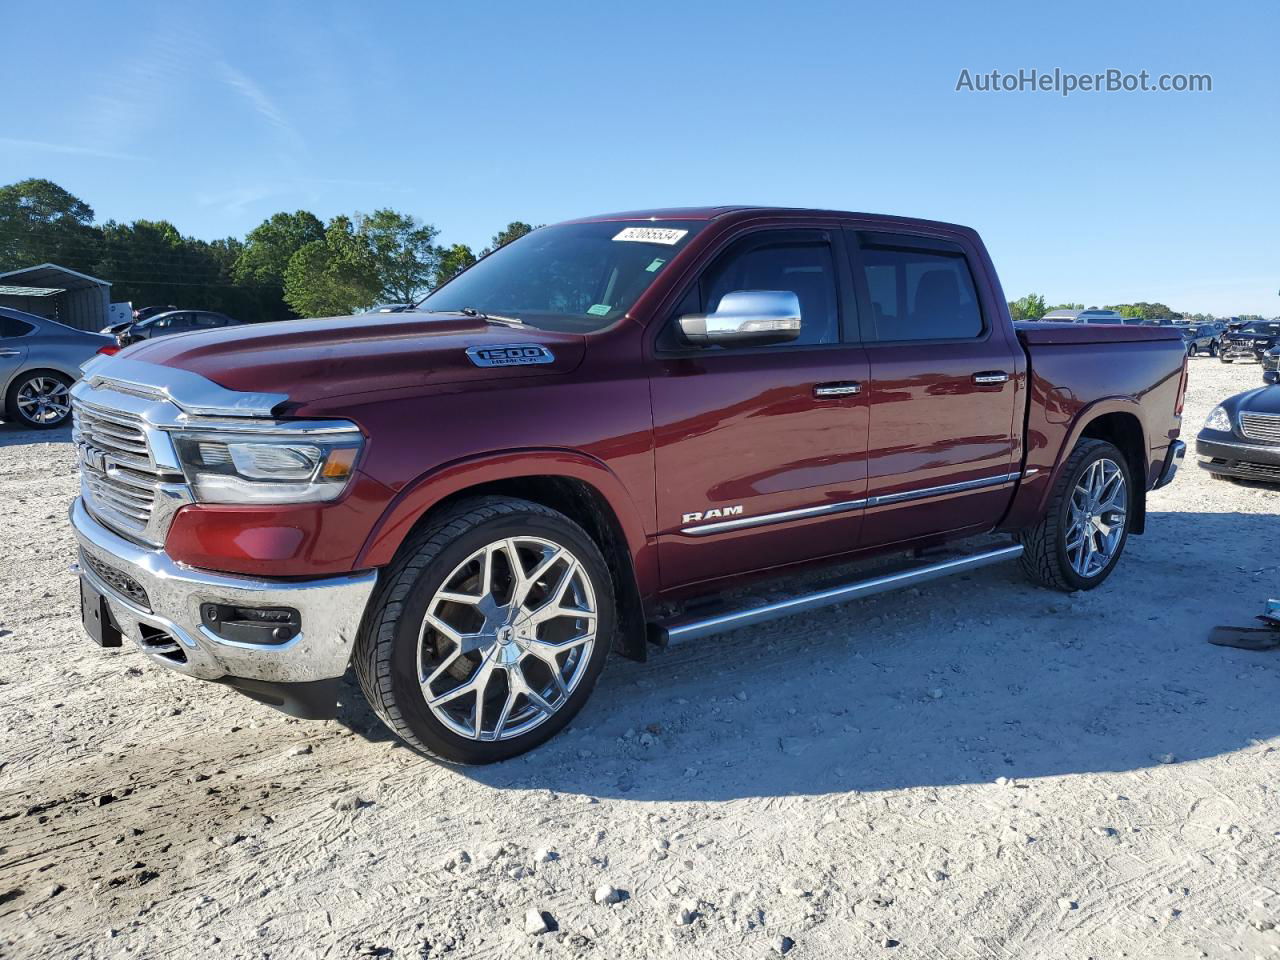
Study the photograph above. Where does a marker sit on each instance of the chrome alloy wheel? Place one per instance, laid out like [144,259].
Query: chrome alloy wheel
[44,400]
[1096,517]
[507,638]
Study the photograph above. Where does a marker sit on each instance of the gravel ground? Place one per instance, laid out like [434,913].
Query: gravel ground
[978,768]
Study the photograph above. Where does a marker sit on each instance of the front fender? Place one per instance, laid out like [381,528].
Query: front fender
[447,480]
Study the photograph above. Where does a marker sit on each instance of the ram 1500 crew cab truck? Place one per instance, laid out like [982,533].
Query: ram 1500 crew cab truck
[571,442]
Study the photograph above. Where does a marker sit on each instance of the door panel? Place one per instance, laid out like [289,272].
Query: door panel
[761,452]
[747,431]
[943,441]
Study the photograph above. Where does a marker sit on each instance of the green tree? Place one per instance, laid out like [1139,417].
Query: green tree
[40,222]
[403,252]
[268,247]
[452,261]
[334,276]
[512,231]
[1030,307]
[1067,306]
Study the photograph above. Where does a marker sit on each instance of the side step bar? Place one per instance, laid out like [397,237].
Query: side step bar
[678,631]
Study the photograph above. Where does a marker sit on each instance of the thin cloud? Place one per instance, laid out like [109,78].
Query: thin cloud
[71,148]
[262,104]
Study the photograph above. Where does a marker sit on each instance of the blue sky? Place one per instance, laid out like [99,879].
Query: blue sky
[472,115]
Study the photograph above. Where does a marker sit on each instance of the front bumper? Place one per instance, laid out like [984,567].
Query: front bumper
[1242,351]
[1222,454]
[156,603]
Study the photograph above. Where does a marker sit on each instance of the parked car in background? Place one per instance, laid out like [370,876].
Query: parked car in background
[1241,437]
[176,321]
[1199,339]
[146,313]
[627,415]
[39,360]
[1084,316]
[390,308]
[1249,341]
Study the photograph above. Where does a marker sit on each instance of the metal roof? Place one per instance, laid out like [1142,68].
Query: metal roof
[51,275]
[7,290]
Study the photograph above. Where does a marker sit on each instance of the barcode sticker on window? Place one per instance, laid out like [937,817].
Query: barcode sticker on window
[663,235]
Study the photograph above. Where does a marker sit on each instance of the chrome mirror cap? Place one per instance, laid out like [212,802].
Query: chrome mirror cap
[746,317]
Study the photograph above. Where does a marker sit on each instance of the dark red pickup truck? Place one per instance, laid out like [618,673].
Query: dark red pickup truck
[583,433]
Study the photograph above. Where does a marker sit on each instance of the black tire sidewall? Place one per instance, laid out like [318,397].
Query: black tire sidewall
[1102,451]
[407,692]
[14,415]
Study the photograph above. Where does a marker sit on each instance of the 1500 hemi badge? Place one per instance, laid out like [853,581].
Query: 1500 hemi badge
[510,355]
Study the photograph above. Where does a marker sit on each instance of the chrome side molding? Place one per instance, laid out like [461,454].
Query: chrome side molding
[679,631]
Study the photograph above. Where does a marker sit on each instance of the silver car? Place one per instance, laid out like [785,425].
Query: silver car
[39,360]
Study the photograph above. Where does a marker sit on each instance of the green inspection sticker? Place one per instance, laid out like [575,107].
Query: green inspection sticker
[599,309]
[657,264]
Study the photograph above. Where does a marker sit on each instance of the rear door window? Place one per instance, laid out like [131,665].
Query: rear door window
[918,289]
[10,327]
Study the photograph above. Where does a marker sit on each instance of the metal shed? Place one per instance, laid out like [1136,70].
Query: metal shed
[48,290]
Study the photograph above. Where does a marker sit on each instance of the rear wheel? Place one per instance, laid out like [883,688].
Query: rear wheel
[1213,348]
[1078,542]
[1193,350]
[489,631]
[40,399]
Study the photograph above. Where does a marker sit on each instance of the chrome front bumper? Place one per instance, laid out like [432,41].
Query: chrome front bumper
[331,610]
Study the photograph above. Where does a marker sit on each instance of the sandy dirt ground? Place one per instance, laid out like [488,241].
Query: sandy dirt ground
[978,768]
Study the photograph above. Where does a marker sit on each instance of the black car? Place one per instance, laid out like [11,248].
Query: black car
[1249,341]
[1199,339]
[1241,437]
[176,321]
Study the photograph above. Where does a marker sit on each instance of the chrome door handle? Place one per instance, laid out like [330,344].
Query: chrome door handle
[988,377]
[10,353]
[842,388]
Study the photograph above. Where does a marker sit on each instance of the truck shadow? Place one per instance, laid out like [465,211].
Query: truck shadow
[972,679]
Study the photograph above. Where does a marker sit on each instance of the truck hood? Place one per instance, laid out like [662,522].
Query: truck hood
[311,360]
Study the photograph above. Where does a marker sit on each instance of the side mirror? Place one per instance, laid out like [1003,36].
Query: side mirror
[746,318]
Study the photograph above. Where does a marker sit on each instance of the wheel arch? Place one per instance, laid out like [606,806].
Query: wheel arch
[1123,429]
[580,487]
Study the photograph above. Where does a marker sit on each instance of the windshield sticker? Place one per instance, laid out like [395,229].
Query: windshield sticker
[657,263]
[599,309]
[663,235]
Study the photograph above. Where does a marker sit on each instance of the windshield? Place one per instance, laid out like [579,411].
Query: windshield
[1269,327]
[574,277]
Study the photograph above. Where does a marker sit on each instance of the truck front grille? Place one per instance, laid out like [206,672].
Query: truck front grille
[116,469]
[1260,426]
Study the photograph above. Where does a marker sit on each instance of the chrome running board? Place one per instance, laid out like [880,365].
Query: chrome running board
[680,630]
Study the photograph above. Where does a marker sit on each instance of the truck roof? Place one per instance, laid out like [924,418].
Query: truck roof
[735,210]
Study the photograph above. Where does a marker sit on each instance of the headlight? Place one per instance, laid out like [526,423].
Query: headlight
[1219,419]
[289,467]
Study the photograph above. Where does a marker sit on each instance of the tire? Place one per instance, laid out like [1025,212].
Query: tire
[39,400]
[1193,350]
[1049,558]
[454,556]
[1213,348]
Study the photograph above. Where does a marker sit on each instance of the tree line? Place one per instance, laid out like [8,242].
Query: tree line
[290,265]
[1033,307]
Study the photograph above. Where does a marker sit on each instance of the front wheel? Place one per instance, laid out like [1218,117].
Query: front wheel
[1213,348]
[1079,540]
[40,400]
[1193,351]
[488,632]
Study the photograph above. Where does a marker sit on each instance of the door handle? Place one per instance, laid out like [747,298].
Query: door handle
[988,377]
[841,388]
[10,353]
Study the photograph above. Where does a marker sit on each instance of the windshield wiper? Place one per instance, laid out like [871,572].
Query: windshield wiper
[481,315]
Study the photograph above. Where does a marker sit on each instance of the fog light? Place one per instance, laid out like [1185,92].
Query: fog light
[256,625]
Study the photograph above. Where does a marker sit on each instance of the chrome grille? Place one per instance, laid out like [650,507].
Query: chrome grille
[1260,426]
[116,469]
